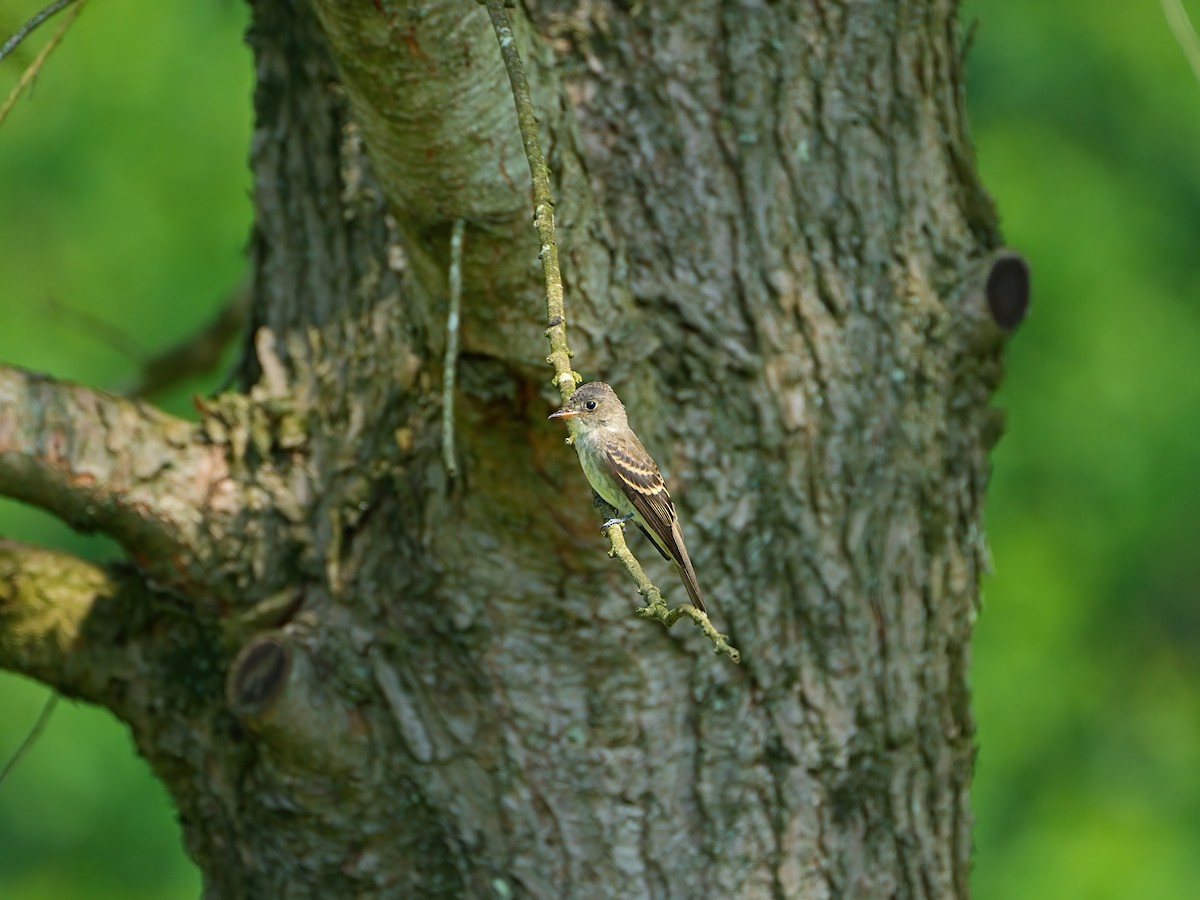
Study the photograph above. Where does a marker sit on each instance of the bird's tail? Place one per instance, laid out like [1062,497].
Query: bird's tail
[688,576]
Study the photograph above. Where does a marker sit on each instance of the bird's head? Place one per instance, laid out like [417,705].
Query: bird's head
[593,405]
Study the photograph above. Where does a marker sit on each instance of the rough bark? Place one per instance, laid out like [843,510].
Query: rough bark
[775,247]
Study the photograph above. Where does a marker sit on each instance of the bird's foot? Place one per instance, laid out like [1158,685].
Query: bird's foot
[619,520]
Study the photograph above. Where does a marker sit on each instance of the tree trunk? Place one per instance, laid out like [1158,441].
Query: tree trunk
[360,677]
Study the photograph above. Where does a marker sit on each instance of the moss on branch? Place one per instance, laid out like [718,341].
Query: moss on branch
[567,379]
[656,606]
[46,597]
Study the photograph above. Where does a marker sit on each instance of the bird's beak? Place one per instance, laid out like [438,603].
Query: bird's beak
[563,413]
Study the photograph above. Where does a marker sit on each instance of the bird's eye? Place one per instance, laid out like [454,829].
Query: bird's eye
[591,404]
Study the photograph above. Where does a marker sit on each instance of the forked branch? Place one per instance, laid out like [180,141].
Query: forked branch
[656,607]
[103,463]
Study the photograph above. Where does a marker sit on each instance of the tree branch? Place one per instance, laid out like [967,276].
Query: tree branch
[656,607]
[1183,32]
[450,363]
[425,89]
[104,463]
[195,354]
[31,25]
[38,61]
[31,738]
[198,353]
[565,378]
[45,598]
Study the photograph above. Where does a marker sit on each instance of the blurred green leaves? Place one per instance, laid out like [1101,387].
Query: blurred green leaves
[82,817]
[125,197]
[1087,124]
[125,183]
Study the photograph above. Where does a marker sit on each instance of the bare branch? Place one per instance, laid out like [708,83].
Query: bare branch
[197,353]
[31,738]
[565,379]
[450,363]
[101,462]
[36,66]
[656,607]
[31,25]
[96,328]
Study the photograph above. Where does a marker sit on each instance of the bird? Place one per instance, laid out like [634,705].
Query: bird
[620,470]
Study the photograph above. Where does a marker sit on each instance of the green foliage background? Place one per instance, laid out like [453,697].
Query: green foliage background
[123,196]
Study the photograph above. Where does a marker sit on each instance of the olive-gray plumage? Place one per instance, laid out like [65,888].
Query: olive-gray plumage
[620,470]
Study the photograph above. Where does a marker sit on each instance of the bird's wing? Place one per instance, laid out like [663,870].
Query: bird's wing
[642,483]
[653,542]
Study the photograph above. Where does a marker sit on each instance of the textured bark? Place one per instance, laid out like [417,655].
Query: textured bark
[775,247]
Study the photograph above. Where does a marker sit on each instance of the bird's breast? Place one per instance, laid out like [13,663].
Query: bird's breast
[595,467]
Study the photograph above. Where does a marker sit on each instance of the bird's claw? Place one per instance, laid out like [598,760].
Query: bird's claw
[618,520]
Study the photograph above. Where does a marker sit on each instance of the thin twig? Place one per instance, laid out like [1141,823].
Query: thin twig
[656,607]
[450,364]
[565,379]
[34,67]
[29,27]
[31,738]
[96,328]
[1185,34]
[198,353]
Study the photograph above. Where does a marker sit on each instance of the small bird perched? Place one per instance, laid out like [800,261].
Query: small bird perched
[621,471]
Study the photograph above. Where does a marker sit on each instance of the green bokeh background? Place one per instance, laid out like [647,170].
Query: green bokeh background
[123,195]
